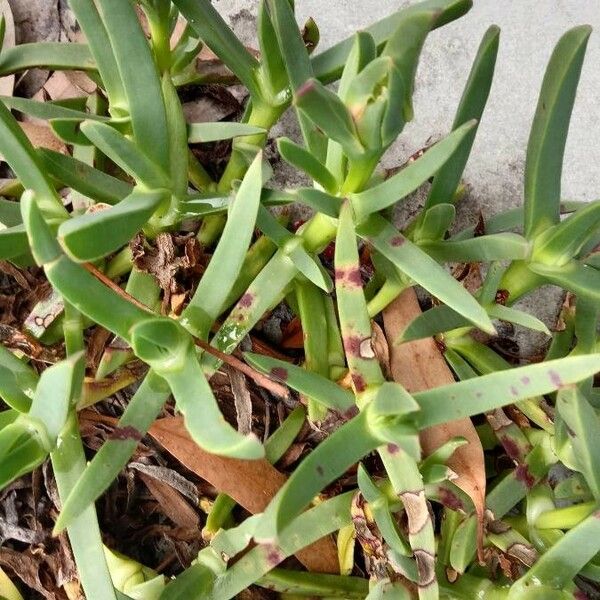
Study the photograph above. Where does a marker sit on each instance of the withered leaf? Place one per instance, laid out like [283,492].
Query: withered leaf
[251,483]
[418,366]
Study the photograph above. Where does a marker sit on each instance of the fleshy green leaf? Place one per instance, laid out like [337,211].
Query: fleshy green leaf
[225,265]
[562,242]
[79,287]
[581,279]
[422,269]
[214,32]
[293,248]
[126,154]
[355,323]
[21,157]
[309,384]
[88,18]
[583,427]
[518,317]
[497,246]
[47,110]
[429,323]
[96,234]
[53,396]
[140,413]
[53,55]
[543,167]
[411,177]
[329,64]
[138,72]
[83,178]
[498,389]
[329,114]
[200,133]
[17,381]
[13,242]
[303,160]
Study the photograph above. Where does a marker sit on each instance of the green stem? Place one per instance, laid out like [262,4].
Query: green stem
[565,518]
[158,21]
[385,296]
[315,584]
[197,174]
[261,115]
[219,515]
[120,264]
[68,463]
[314,327]
[518,281]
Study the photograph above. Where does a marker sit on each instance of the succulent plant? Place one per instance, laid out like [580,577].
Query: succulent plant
[130,169]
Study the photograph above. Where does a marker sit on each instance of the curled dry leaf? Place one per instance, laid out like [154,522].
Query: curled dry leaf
[418,366]
[251,483]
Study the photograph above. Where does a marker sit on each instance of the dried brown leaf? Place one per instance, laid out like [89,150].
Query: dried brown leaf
[418,366]
[171,503]
[41,136]
[251,483]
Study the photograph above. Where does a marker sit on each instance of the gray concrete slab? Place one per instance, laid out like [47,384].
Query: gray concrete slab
[530,29]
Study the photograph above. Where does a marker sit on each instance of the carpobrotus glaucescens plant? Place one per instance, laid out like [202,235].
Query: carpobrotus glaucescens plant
[130,168]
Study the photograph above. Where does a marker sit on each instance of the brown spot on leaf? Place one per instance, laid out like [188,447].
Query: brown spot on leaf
[352,345]
[279,373]
[511,447]
[359,382]
[523,474]
[246,300]
[425,567]
[320,471]
[353,276]
[451,500]
[502,297]
[416,509]
[397,241]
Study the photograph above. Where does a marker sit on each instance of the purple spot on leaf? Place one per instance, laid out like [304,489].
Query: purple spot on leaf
[359,383]
[514,391]
[279,373]
[397,241]
[525,380]
[555,378]
[246,300]
[511,447]
[523,474]
[450,499]
[393,448]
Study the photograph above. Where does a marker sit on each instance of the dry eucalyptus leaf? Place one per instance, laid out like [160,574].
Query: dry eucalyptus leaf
[41,136]
[418,366]
[251,483]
